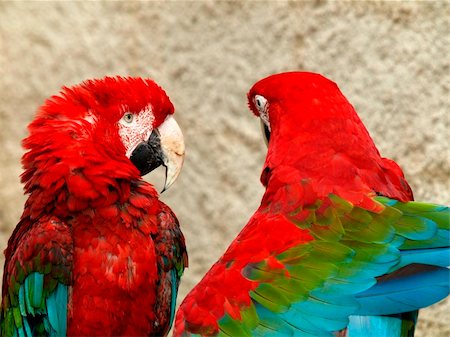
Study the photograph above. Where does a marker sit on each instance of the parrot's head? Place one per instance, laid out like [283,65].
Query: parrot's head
[313,130]
[304,117]
[115,127]
[288,102]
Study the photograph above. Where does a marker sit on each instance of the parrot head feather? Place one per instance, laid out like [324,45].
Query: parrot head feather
[101,131]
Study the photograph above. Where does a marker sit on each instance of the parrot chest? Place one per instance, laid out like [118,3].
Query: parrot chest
[114,281]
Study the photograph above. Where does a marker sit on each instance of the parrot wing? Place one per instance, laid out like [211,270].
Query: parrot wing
[304,272]
[172,259]
[37,278]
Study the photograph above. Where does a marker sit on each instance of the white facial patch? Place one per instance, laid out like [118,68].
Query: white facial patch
[135,128]
[263,108]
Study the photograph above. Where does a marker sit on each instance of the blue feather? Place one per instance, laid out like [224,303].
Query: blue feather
[272,323]
[404,294]
[21,331]
[304,319]
[57,309]
[22,305]
[432,256]
[27,327]
[314,307]
[441,239]
[47,326]
[311,324]
[28,293]
[173,302]
[38,289]
[346,286]
[373,326]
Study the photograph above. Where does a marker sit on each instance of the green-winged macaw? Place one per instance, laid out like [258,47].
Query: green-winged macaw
[96,253]
[337,246]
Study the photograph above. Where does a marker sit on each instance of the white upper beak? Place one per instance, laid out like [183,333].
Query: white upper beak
[172,145]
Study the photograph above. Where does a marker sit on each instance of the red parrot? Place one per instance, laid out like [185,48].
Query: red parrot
[337,246]
[96,252]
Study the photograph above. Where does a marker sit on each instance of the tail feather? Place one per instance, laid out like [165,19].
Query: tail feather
[400,325]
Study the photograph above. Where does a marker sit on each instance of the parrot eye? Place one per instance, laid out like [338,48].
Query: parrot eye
[263,106]
[261,103]
[128,118]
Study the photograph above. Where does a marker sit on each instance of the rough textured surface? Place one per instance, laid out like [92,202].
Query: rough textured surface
[389,58]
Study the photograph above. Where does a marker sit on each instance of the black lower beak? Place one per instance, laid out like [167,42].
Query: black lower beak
[266,134]
[148,155]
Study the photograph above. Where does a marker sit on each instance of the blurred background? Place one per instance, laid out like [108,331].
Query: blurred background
[391,60]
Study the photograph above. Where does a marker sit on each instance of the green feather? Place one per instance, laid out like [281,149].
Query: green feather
[231,327]
[297,289]
[273,297]
[331,251]
[240,327]
[249,316]
[436,213]
[376,232]
[8,324]
[415,228]
[341,205]
[332,233]
[261,271]
[294,254]
[374,253]
[17,317]
[358,217]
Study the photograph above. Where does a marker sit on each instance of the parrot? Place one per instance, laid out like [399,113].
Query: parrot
[95,252]
[337,246]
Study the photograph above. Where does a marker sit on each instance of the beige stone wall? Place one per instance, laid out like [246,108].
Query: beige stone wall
[391,59]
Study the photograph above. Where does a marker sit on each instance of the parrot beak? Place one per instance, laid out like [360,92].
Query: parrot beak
[164,147]
[266,132]
[172,145]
